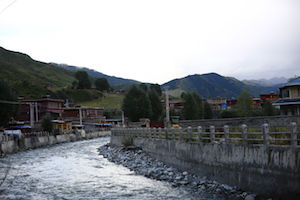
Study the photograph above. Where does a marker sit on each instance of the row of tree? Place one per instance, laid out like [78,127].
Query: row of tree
[139,102]
[84,82]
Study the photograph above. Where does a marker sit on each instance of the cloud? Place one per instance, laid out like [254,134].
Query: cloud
[156,41]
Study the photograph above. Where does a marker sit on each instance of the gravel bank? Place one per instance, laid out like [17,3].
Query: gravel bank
[142,164]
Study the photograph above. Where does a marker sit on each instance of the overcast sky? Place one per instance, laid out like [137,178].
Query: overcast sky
[157,41]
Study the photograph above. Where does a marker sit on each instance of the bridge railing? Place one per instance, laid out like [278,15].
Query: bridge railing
[244,135]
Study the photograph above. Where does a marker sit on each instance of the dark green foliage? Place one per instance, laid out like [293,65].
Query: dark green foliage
[245,104]
[102,84]
[136,104]
[208,114]
[200,109]
[192,108]
[7,110]
[230,113]
[83,80]
[77,96]
[157,108]
[268,109]
[46,123]
[157,88]
[144,87]
[33,91]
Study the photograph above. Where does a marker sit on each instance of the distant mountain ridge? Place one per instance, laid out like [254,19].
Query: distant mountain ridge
[213,85]
[112,80]
[21,69]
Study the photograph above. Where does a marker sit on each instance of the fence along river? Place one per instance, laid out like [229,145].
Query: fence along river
[76,171]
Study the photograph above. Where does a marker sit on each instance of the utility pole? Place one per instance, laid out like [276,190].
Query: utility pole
[80,116]
[31,114]
[167,106]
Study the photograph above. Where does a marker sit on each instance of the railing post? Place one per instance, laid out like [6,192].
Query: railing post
[180,134]
[212,134]
[166,133]
[159,133]
[172,133]
[244,134]
[190,133]
[266,134]
[226,134]
[154,130]
[294,142]
[199,134]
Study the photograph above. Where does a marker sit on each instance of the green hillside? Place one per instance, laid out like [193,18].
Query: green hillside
[19,67]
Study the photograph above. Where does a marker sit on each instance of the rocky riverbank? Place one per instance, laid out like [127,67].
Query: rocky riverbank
[142,164]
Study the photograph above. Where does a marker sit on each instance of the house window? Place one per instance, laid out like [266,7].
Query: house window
[285,93]
[298,92]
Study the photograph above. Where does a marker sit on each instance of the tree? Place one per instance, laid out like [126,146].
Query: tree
[208,114]
[157,88]
[245,104]
[144,87]
[46,123]
[199,104]
[83,80]
[191,106]
[268,109]
[229,113]
[7,110]
[157,108]
[136,104]
[102,84]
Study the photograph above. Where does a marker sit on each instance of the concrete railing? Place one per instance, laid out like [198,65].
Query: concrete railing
[265,159]
[265,135]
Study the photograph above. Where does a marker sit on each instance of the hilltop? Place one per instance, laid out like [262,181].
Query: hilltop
[32,79]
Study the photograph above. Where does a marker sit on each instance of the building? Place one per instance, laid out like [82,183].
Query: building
[218,103]
[289,102]
[271,97]
[86,112]
[36,109]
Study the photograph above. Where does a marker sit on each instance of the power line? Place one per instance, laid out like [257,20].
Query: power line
[8,6]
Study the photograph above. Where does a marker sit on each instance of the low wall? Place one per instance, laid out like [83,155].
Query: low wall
[267,171]
[12,146]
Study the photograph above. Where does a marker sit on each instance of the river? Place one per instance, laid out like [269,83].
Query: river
[76,171]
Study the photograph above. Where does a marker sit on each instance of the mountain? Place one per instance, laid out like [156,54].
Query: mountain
[213,85]
[112,80]
[19,67]
[270,85]
[30,78]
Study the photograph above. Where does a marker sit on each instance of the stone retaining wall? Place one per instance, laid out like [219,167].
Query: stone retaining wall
[269,171]
[12,146]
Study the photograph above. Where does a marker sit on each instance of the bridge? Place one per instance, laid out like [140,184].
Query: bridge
[262,159]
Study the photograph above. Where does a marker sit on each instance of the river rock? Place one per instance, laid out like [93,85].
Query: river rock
[142,164]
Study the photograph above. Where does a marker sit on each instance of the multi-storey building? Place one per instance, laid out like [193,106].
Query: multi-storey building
[290,98]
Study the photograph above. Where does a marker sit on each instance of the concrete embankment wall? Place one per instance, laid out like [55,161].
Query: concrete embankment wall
[268,171]
[12,146]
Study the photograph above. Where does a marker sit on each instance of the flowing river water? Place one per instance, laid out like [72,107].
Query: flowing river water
[76,171]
